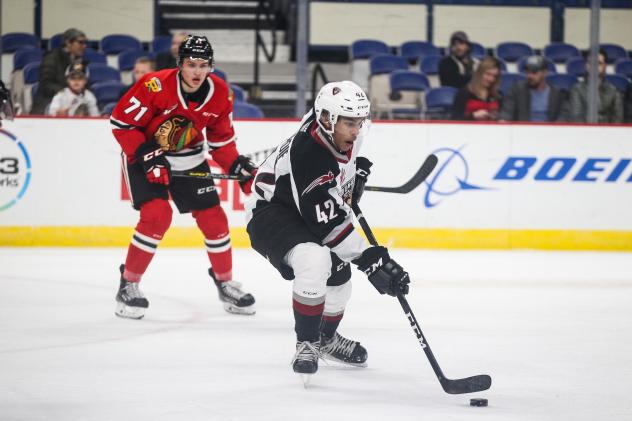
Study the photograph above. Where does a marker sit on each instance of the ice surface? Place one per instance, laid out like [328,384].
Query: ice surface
[554,330]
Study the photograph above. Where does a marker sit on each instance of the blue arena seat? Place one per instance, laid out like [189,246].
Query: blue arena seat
[503,65]
[93,56]
[549,65]
[508,79]
[439,101]
[562,81]
[108,91]
[560,52]
[55,41]
[220,73]
[576,66]
[24,56]
[127,58]
[406,80]
[415,50]
[365,48]
[430,65]
[102,72]
[16,40]
[115,43]
[619,82]
[478,51]
[613,52]
[245,110]
[386,63]
[31,73]
[108,108]
[624,68]
[161,43]
[238,92]
[513,51]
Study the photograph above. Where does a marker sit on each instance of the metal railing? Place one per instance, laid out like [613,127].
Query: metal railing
[264,11]
[316,72]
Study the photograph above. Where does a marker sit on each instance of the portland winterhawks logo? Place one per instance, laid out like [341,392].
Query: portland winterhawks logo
[15,170]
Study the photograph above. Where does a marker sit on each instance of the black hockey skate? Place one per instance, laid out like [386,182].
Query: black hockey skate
[234,299]
[130,301]
[343,350]
[305,360]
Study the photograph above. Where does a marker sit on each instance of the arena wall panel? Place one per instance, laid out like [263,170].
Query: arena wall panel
[496,186]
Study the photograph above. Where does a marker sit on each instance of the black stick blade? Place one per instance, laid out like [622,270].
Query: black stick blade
[420,176]
[467,385]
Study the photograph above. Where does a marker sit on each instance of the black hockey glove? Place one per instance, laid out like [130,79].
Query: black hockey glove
[154,162]
[245,167]
[363,170]
[385,274]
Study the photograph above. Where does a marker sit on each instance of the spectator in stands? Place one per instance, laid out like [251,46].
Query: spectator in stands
[627,105]
[167,59]
[142,66]
[609,102]
[533,99]
[479,99]
[74,100]
[456,69]
[52,72]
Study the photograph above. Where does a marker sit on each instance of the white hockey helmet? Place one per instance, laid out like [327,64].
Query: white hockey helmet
[341,99]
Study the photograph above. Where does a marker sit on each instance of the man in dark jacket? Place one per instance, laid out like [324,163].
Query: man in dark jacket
[534,99]
[609,103]
[168,59]
[456,69]
[52,71]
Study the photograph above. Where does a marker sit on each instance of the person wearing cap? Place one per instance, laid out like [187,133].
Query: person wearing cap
[74,100]
[52,71]
[456,69]
[610,103]
[533,99]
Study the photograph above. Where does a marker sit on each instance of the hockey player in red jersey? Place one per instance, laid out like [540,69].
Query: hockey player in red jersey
[300,220]
[159,124]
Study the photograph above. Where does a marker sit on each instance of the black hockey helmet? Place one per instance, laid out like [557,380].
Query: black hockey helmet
[195,46]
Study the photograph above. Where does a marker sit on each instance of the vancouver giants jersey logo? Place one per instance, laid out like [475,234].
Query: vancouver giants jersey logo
[323,179]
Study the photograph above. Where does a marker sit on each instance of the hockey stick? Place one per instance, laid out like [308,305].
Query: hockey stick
[419,177]
[452,386]
[207,175]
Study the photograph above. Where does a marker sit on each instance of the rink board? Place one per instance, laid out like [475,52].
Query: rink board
[496,186]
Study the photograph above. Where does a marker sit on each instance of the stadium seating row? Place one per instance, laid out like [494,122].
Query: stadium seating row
[507,51]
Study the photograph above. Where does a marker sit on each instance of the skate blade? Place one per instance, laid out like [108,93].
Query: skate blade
[244,311]
[128,312]
[334,359]
[306,378]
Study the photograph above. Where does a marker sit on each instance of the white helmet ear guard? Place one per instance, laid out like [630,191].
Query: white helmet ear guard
[341,99]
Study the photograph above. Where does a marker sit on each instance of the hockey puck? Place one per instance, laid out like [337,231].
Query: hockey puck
[478,402]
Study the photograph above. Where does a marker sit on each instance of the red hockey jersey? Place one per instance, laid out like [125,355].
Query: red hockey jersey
[155,109]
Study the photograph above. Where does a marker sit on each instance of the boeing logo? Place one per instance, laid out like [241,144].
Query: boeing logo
[452,174]
[450,177]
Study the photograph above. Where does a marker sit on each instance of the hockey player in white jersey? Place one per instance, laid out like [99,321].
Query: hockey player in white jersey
[300,219]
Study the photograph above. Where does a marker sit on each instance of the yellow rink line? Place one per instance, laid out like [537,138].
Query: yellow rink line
[99,236]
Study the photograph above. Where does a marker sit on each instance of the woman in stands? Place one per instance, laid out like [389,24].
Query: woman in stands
[479,99]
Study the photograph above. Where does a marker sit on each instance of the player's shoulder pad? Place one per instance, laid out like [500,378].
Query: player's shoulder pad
[154,82]
[220,87]
[310,155]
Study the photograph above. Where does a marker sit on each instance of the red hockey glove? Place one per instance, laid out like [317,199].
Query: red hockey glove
[245,167]
[386,275]
[154,162]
